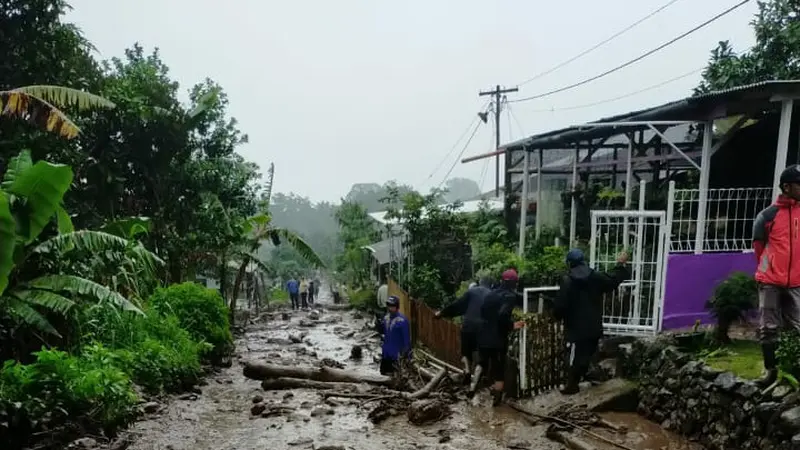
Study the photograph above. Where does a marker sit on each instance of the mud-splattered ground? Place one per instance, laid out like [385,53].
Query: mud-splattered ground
[220,417]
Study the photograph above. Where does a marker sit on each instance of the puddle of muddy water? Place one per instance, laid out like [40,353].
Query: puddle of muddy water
[220,418]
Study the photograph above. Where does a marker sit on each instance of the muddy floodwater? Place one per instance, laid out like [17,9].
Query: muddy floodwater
[220,417]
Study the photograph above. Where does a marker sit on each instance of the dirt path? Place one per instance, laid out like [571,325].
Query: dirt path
[220,419]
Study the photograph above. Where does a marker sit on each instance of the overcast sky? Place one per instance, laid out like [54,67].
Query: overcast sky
[347,91]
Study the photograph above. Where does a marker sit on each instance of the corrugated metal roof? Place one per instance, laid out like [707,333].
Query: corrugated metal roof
[466,207]
[752,98]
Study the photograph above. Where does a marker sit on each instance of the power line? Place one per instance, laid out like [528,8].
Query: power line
[619,97]
[637,59]
[460,154]
[455,144]
[600,44]
[514,117]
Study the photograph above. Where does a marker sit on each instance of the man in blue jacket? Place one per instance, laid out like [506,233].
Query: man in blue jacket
[396,336]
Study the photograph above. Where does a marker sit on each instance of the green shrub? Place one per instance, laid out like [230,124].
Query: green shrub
[789,353]
[201,312]
[58,386]
[153,349]
[363,299]
[731,301]
[278,296]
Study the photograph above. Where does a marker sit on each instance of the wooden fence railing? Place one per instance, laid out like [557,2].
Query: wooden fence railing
[441,336]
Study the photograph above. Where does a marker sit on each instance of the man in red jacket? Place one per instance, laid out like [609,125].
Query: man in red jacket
[776,242]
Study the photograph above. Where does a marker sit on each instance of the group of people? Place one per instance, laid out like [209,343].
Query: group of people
[302,293]
[487,322]
[487,310]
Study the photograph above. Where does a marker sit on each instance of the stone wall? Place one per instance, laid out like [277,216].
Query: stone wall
[716,409]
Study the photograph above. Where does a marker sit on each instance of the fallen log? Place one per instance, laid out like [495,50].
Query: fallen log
[279,384]
[260,371]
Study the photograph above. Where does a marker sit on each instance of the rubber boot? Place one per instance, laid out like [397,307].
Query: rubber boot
[573,379]
[497,397]
[473,386]
[770,365]
[467,374]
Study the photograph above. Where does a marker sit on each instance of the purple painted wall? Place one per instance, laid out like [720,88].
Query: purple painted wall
[691,280]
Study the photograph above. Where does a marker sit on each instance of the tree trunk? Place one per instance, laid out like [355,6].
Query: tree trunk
[259,371]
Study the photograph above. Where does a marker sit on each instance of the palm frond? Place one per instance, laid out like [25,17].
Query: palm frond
[83,287]
[37,111]
[64,97]
[249,258]
[27,315]
[46,299]
[97,242]
[298,244]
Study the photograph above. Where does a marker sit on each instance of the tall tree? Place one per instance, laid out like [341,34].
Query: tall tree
[775,55]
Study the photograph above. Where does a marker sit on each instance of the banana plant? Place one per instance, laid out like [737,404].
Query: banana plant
[39,105]
[31,197]
[256,230]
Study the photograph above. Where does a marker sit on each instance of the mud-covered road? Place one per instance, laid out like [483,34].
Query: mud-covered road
[220,417]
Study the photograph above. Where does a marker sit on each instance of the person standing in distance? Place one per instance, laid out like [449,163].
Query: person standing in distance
[580,305]
[776,243]
[497,323]
[469,306]
[293,287]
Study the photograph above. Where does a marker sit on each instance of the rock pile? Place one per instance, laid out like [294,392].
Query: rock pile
[717,409]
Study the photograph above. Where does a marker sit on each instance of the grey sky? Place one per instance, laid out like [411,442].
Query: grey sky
[346,91]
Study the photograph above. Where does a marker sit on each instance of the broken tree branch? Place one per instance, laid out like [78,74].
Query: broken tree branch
[439,362]
[426,390]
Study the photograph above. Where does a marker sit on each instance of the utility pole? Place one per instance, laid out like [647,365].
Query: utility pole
[497,92]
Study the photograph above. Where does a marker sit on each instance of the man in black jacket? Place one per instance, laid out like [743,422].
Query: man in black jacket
[498,322]
[580,304]
[469,305]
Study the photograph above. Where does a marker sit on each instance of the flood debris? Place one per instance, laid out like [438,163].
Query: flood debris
[330,362]
[567,418]
[422,412]
[356,353]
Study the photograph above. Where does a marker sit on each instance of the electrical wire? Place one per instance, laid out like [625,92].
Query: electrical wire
[514,117]
[460,154]
[635,60]
[599,44]
[455,144]
[619,97]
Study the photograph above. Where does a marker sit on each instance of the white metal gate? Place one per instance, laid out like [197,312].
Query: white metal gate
[635,308]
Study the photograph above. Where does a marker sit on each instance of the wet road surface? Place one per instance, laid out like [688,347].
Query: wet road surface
[220,418]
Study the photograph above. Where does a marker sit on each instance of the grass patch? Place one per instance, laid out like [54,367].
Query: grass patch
[740,357]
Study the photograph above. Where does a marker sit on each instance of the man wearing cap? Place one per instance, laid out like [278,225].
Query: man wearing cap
[498,322]
[396,336]
[469,306]
[580,304]
[776,243]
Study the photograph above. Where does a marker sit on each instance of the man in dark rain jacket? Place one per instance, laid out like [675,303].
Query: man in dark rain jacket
[469,305]
[580,304]
[498,322]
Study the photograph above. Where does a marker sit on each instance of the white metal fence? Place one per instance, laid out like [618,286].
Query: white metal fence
[635,308]
[726,226]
